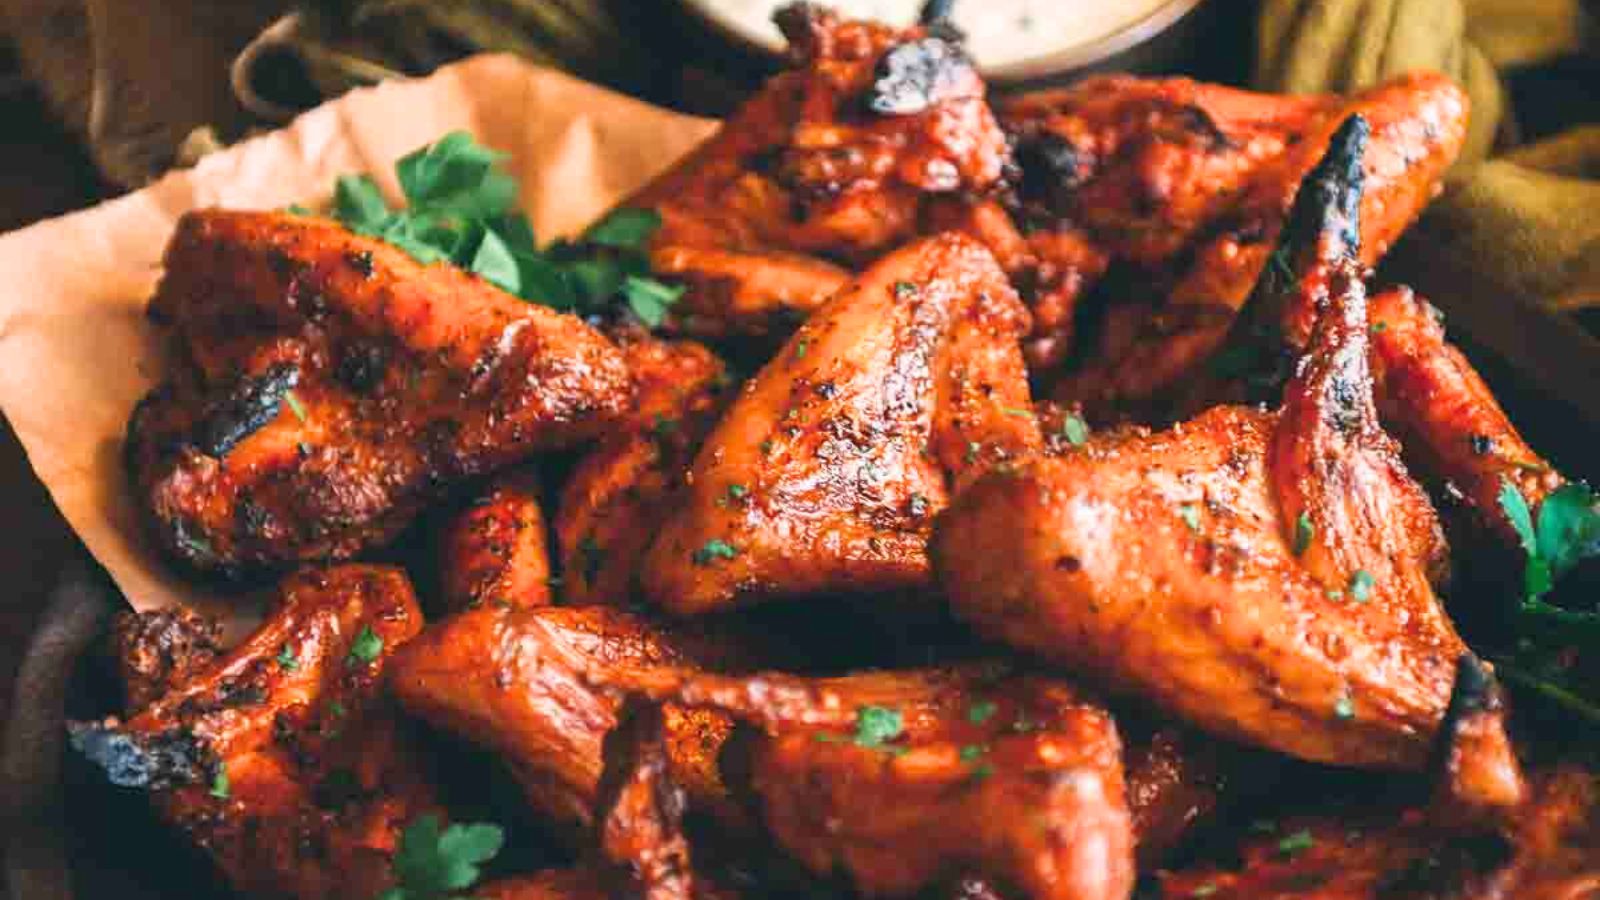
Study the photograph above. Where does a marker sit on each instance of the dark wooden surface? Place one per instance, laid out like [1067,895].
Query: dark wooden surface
[43,172]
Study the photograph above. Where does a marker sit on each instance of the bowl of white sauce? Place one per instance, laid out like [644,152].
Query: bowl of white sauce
[1010,40]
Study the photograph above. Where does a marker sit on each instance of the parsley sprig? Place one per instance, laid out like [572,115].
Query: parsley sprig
[1566,530]
[460,208]
[435,864]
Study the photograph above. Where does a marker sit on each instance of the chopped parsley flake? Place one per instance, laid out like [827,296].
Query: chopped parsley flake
[1205,890]
[1298,842]
[1190,513]
[1361,584]
[220,788]
[1304,531]
[1344,708]
[800,348]
[877,725]
[737,491]
[1016,412]
[286,659]
[1075,430]
[715,549]
[904,289]
[1379,327]
[295,405]
[367,645]
[972,752]
[982,771]
[981,711]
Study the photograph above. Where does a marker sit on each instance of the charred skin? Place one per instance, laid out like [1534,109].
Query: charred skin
[282,759]
[156,650]
[826,471]
[621,491]
[331,386]
[1168,197]
[496,551]
[1014,778]
[519,681]
[828,167]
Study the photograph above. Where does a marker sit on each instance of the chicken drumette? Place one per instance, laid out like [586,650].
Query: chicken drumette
[829,166]
[282,759]
[1266,575]
[330,385]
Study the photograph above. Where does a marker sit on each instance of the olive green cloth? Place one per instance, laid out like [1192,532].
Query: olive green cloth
[1527,216]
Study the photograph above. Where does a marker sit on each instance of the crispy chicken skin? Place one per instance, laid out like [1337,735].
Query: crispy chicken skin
[282,759]
[496,551]
[827,470]
[1449,422]
[331,385]
[155,650]
[829,166]
[1549,851]
[1167,196]
[623,488]
[1013,777]
[1265,575]
[518,681]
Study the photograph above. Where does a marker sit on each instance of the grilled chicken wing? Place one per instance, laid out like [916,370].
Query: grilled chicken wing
[518,681]
[496,550]
[334,385]
[623,488]
[827,470]
[1166,198]
[828,166]
[156,650]
[282,759]
[1264,575]
[1549,852]
[906,779]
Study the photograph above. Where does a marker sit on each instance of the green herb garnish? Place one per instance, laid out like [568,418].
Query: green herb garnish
[981,711]
[1361,584]
[1304,531]
[1075,430]
[1190,513]
[1568,530]
[716,548]
[460,208]
[877,725]
[434,864]
[220,788]
[1344,707]
[1295,843]
[366,647]
[286,659]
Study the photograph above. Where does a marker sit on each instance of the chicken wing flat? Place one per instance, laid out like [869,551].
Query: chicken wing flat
[1166,197]
[518,681]
[282,759]
[334,385]
[1266,575]
[496,551]
[825,473]
[620,492]
[907,779]
[828,167]
[1549,852]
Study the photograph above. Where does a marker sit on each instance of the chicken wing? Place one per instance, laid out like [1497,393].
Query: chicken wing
[826,471]
[620,492]
[1549,853]
[906,779]
[1165,197]
[333,385]
[282,759]
[828,166]
[1264,575]
[496,550]
[517,681]
[156,650]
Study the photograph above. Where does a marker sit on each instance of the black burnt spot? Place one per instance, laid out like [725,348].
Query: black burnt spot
[361,366]
[361,261]
[153,762]
[241,410]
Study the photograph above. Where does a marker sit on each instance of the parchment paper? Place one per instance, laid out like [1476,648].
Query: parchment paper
[76,352]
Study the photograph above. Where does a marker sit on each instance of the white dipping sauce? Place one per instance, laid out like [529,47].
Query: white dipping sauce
[1001,34]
